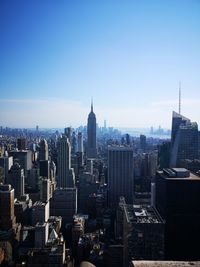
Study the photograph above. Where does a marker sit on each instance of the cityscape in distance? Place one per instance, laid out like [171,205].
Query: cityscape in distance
[99,137]
[93,196]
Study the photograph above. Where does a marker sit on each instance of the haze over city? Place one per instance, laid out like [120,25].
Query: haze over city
[128,55]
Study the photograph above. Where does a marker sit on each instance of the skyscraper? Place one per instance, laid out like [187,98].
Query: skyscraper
[64,203]
[16,179]
[142,142]
[22,143]
[80,149]
[68,133]
[91,135]
[120,174]
[184,140]
[177,201]
[80,142]
[7,216]
[44,153]
[65,172]
[24,157]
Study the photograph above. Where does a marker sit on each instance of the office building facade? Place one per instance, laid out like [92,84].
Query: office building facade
[177,201]
[120,174]
[184,140]
[65,172]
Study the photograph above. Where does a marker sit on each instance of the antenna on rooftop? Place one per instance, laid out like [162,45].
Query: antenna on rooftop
[179,97]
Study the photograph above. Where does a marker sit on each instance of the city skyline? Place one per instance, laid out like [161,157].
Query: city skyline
[129,56]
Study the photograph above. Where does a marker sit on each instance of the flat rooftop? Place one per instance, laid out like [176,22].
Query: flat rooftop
[165,263]
[119,148]
[178,174]
[143,214]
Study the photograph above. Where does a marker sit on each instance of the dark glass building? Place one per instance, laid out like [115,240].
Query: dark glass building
[120,174]
[177,201]
[184,140]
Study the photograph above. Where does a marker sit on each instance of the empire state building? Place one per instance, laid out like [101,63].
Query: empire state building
[91,135]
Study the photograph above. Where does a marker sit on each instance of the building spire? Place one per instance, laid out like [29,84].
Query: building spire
[179,97]
[92,104]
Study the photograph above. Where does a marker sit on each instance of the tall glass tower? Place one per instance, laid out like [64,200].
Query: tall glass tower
[91,135]
[184,140]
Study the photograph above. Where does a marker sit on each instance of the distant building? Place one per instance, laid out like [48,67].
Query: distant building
[164,155]
[177,201]
[91,135]
[74,143]
[44,150]
[80,142]
[24,158]
[192,165]
[120,174]
[68,133]
[80,150]
[143,142]
[22,143]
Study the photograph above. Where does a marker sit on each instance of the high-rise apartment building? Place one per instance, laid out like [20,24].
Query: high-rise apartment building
[120,174]
[65,172]
[91,135]
[184,140]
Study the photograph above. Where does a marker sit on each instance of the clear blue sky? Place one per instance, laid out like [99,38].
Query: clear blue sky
[129,55]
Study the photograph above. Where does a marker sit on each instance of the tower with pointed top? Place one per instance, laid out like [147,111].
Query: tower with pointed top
[91,134]
[184,140]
